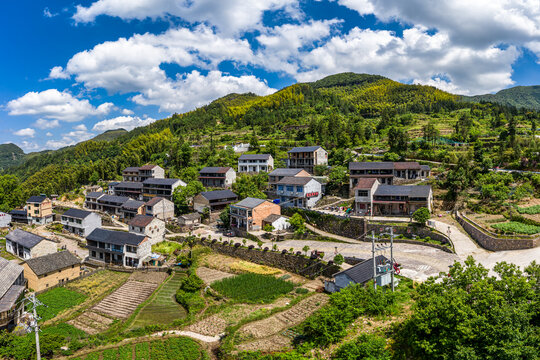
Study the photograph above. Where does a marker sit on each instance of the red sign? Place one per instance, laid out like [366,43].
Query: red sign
[312,194]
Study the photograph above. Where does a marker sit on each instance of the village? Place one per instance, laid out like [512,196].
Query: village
[122,253]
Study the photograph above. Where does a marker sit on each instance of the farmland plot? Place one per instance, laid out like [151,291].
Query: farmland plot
[57,300]
[253,288]
[210,275]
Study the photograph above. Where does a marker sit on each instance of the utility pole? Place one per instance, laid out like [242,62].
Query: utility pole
[392,256]
[373,256]
[35,303]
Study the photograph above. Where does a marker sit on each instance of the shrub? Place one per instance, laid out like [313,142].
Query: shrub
[421,215]
[364,347]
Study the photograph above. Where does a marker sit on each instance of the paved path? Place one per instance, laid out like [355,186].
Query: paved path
[191,334]
[463,245]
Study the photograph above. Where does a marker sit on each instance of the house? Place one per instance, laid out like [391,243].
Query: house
[39,210]
[132,208]
[80,222]
[129,189]
[118,247]
[275,176]
[307,157]
[5,220]
[386,172]
[302,192]
[49,270]
[220,177]
[12,286]
[278,222]
[374,199]
[91,188]
[19,216]
[110,204]
[255,163]
[142,173]
[361,273]
[91,200]
[189,220]
[149,226]
[110,187]
[213,200]
[160,187]
[249,214]
[27,245]
[159,207]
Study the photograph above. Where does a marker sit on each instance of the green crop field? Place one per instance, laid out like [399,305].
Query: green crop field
[517,227]
[180,348]
[166,247]
[253,288]
[531,210]
[56,300]
[163,308]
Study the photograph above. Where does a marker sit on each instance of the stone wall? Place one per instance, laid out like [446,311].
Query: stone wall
[490,241]
[297,264]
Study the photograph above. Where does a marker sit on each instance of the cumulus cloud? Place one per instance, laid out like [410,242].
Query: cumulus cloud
[58,72]
[228,16]
[122,122]
[127,112]
[47,13]
[49,134]
[79,134]
[56,105]
[28,146]
[46,124]
[28,132]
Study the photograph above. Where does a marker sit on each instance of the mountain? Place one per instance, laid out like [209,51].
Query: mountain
[110,135]
[10,154]
[520,96]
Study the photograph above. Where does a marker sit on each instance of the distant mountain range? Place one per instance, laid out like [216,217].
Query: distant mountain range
[10,154]
[519,96]
[110,135]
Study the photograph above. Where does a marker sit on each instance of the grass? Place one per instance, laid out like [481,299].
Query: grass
[531,210]
[98,283]
[517,227]
[57,300]
[244,266]
[162,308]
[253,288]
[166,247]
[177,348]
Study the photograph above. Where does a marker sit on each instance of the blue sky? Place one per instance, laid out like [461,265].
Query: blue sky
[73,69]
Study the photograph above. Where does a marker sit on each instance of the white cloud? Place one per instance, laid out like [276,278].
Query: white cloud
[29,132]
[47,13]
[49,134]
[479,23]
[70,138]
[80,127]
[229,16]
[122,122]
[53,104]
[127,112]
[28,146]
[418,56]
[58,72]
[46,124]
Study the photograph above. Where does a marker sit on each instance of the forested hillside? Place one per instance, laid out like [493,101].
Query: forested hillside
[10,154]
[344,112]
[519,96]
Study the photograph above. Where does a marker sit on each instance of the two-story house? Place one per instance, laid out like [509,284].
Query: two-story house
[118,248]
[160,187]
[149,226]
[386,172]
[27,245]
[142,173]
[39,210]
[19,216]
[91,200]
[363,195]
[12,286]
[276,175]
[160,208]
[129,189]
[80,222]
[213,200]
[307,157]
[219,177]
[112,204]
[407,170]
[132,208]
[301,192]
[255,163]
[249,214]
[50,270]
[5,220]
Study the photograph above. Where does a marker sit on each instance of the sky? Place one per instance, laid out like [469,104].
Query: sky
[72,69]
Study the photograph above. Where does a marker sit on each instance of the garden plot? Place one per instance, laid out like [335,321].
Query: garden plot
[91,322]
[122,302]
[283,320]
[210,275]
[276,342]
[153,277]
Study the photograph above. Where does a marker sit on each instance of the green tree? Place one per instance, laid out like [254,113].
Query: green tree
[298,224]
[250,185]
[305,249]
[430,132]
[10,193]
[397,139]
[339,259]
[94,178]
[225,217]
[337,177]
[421,215]
[254,143]
[183,196]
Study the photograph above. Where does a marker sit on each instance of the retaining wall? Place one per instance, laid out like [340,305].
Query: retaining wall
[490,241]
[297,264]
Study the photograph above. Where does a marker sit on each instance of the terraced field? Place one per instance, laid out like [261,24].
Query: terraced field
[210,275]
[163,308]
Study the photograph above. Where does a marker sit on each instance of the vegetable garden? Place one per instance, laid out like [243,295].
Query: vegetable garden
[253,288]
[57,300]
[517,227]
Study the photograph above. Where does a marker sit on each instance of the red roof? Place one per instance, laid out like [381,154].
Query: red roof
[141,220]
[407,165]
[365,183]
[147,167]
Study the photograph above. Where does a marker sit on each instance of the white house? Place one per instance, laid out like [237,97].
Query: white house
[278,222]
[255,163]
[118,248]
[80,222]
[27,245]
[5,220]
[149,226]
[159,207]
[302,192]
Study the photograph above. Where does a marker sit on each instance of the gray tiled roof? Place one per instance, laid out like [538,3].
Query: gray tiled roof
[10,297]
[114,199]
[304,149]
[273,217]
[254,157]
[132,204]
[213,170]
[9,272]
[36,199]
[94,195]
[53,262]
[131,169]
[289,180]
[77,213]
[420,191]
[24,238]
[250,203]
[425,167]
[219,194]
[168,182]
[153,201]
[375,165]
[403,190]
[129,185]
[191,216]
[362,272]
[284,172]
[115,237]
[407,165]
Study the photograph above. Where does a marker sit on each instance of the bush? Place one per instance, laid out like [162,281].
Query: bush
[364,347]
[191,301]
[421,215]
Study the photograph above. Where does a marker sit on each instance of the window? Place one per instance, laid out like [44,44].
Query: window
[280,187]
[299,189]
[363,193]
[290,188]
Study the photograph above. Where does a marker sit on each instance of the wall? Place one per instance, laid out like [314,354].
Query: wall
[52,279]
[490,241]
[292,263]
[45,247]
